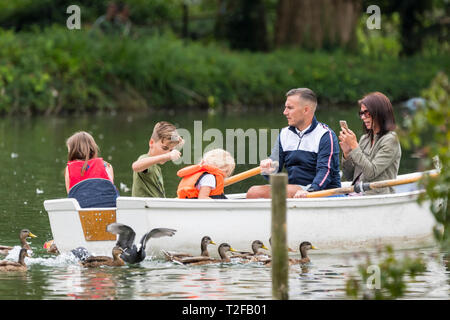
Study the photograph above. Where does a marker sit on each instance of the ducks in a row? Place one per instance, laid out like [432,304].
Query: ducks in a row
[244,256]
[125,251]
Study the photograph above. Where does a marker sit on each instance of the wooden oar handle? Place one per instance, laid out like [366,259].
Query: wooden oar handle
[372,185]
[242,176]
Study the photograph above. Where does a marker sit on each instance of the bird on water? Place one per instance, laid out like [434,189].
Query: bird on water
[8,266]
[131,253]
[205,241]
[23,235]
[98,261]
[201,260]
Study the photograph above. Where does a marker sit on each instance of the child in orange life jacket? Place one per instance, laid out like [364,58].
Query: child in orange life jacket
[206,179]
[83,162]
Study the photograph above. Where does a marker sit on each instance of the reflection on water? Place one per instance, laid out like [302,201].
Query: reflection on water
[33,156]
[61,277]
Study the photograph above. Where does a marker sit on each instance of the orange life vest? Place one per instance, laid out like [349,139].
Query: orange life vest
[191,174]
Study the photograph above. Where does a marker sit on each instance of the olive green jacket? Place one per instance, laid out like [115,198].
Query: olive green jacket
[374,163]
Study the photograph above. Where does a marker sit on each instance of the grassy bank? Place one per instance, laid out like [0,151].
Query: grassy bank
[58,71]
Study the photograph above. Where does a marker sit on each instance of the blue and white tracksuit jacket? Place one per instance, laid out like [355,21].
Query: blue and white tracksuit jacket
[310,158]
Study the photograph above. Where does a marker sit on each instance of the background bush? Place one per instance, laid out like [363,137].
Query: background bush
[58,70]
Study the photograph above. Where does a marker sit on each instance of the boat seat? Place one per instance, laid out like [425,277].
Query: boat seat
[94,193]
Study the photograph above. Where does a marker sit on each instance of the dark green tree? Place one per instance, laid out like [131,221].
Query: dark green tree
[243,24]
[418,20]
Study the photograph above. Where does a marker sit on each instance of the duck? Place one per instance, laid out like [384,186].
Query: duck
[257,245]
[23,235]
[115,261]
[20,265]
[131,254]
[50,246]
[303,248]
[205,241]
[202,260]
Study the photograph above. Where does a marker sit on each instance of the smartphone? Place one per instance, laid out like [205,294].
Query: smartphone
[343,124]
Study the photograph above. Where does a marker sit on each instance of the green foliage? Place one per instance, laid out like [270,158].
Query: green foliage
[59,70]
[392,273]
[23,14]
[379,44]
[418,21]
[429,131]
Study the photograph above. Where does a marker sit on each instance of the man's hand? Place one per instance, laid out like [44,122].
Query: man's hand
[266,166]
[301,194]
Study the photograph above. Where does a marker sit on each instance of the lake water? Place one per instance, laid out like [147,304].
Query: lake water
[33,157]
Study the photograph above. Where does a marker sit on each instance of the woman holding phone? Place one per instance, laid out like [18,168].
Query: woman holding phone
[377,155]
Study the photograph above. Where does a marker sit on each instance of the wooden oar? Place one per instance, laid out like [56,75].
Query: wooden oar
[242,176]
[361,187]
[249,173]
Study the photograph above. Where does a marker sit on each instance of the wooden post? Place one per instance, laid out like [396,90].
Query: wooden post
[280,267]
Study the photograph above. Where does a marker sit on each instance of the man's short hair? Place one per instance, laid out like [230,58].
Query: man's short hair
[304,93]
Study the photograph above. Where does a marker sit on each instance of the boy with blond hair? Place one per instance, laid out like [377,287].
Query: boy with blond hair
[206,179]
[147,175]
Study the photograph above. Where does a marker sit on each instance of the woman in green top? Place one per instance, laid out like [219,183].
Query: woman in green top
[377,155]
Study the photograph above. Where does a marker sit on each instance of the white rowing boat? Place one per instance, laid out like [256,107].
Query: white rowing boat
[353,223]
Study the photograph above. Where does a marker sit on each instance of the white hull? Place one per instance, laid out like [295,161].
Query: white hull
[328,223]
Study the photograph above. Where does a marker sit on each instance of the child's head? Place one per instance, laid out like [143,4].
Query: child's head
[164,138]
[221,159]
[81,146]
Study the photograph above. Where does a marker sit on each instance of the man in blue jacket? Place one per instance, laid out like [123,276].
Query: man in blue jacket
[307,148]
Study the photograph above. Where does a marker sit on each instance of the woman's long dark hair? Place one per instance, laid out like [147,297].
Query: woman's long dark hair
[381,111]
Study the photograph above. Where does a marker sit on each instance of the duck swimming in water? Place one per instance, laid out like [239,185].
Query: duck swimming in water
[206,240]
[23,235]
[20,265]
[304,247]
[115,261]
[131,254]
[197,261]
[257,245]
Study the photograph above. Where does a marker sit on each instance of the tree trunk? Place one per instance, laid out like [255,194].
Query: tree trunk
[315,24]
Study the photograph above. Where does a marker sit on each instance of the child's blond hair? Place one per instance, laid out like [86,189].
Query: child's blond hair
[166,131]
[221,159]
